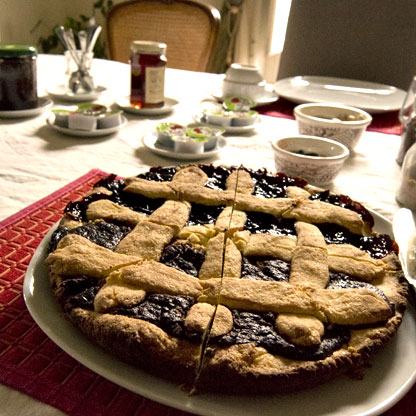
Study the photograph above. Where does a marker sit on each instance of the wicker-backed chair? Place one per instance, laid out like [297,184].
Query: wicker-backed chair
[189,28]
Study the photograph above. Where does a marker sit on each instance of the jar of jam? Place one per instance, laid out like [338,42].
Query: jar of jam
[148,64]
[18,77]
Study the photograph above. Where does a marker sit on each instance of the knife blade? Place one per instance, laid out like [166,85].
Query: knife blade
[405,236]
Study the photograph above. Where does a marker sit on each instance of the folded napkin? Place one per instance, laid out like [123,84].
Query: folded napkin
[382,122]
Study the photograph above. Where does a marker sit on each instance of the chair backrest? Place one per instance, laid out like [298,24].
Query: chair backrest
[189,28]
[371,40]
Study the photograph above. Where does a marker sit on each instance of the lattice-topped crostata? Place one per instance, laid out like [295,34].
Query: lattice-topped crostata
[228,279]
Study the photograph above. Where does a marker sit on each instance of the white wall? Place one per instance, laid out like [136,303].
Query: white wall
[19,17]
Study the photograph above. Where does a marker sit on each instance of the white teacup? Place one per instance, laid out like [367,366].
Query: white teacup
[243,80]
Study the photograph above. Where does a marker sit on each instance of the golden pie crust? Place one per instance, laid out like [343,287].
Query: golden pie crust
[303,307]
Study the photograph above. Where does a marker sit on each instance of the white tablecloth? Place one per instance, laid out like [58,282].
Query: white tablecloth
[37,160]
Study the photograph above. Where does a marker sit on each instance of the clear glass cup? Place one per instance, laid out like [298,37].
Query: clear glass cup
[71,66]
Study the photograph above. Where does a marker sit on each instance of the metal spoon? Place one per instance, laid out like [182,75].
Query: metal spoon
[94,36]
[87,81]
[74,82]
[60,32]
[82,37]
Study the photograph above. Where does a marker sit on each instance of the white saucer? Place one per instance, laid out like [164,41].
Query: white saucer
[149,141]
[228,129]
[62,92]
[44,103]
[86,133]
[124,103]
[270,96]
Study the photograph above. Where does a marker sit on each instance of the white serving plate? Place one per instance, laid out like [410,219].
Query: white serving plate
[44,104]
[86,133]
[149,141]
[62,92]
[168,107]
[369,96]
[228,129]
[391,376]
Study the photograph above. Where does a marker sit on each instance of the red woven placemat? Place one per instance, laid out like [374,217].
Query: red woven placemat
[30,362]
[388,122]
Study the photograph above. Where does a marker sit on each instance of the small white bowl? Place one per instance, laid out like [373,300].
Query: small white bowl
[315,159]
[241,89]
[244,81]
[337,122]
[245,74]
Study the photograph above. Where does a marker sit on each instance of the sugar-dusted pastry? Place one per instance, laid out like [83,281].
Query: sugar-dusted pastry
[228,279]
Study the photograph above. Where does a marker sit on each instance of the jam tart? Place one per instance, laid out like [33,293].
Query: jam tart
[228,279]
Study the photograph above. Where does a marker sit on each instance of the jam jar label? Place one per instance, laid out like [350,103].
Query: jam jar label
[155,84]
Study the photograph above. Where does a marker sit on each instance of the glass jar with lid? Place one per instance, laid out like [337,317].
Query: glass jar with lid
[18,77]
[148,62]
[406,194]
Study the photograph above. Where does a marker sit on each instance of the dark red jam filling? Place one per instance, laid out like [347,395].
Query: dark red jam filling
[138,203]
[77,210]
[166,311]
[110,182]
[345,202]
[79,292]
[159,174]
[203,214]
[273,185]
[257,268]
[260,329]
[183,257]
[104,234]
[217,176]
[377,246]
[260,223]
